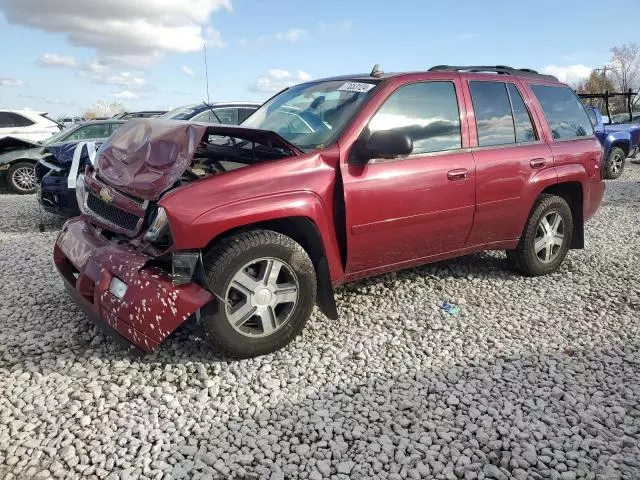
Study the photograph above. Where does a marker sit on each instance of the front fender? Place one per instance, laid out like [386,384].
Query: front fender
[206,227]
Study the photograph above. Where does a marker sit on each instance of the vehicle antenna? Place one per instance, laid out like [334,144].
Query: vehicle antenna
[206,70]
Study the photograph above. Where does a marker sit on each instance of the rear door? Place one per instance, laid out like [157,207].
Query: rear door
[403,211]
[509,155]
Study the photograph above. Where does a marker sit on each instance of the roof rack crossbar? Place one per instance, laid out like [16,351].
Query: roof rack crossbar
[499,69]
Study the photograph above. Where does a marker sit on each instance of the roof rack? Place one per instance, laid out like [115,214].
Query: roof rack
[499,69]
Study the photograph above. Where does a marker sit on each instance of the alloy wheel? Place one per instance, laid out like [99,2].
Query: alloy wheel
[549,237]
[24,178]
[261,297]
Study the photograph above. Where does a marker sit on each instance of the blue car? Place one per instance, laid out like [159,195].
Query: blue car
[56,189]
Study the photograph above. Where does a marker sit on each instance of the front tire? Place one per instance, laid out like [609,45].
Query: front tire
[269,286]
[546,238]
[21,178]
[615,163]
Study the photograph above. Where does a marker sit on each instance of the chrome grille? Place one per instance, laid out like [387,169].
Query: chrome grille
[110,213]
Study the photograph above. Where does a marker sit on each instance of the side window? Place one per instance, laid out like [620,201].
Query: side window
[522,120]
[494,120]
[88,132]
[244,113]
[427,111]
[228,116]
[204,117]
[114,127]
[592,117]
[20,121]
[565,114]
[5,120]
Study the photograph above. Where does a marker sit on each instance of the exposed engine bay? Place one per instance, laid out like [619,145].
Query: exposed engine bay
[219,154]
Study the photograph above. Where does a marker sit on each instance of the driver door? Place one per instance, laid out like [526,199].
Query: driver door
[412,209]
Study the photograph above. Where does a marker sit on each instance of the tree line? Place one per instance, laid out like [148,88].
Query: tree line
[619,75]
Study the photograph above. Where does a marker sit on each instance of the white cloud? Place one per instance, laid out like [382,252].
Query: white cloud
[96,67]
[125,95]
[570,74]
[10,82]
[187,71]
[123,30]
[276,79]
[342,26]
[293,35]
[122,79]
[55,60]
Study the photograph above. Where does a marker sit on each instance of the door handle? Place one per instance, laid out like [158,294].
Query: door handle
[538,163]
[457,174]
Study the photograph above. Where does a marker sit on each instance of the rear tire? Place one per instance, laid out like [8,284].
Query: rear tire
[21,178]
[269,284]
[615,163]
[546,238]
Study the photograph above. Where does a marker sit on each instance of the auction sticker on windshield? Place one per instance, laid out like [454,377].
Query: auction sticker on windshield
[356,87]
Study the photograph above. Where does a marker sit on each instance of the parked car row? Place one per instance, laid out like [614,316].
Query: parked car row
[54,154]
[245,228]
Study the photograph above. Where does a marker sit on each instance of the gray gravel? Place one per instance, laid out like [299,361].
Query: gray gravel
[537,378]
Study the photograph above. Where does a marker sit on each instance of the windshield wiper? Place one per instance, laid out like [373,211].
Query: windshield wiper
[212,111]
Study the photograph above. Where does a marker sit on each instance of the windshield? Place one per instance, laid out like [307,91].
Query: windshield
[312,115]
[59,137]
[180,113]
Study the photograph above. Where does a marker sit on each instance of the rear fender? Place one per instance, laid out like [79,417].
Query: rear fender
[618,139]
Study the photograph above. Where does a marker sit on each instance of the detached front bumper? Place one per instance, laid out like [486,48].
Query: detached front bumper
[152,307]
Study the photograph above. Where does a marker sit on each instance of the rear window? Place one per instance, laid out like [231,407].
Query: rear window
[565,114]
[20,121]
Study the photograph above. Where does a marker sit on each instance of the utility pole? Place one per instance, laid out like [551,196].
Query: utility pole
[603,85]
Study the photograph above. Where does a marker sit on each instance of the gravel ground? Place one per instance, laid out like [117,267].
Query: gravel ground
[537,378]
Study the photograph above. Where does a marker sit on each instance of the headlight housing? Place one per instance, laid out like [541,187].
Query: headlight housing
[158,231]
[81,192]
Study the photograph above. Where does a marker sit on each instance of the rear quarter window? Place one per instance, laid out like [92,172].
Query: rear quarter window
[564,112]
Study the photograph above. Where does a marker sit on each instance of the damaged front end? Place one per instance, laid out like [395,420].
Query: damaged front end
[118,260]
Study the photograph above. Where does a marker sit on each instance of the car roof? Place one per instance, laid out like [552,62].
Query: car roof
[475,71]
[23,111]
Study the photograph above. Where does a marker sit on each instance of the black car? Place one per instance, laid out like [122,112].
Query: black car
[230,113]
[19,163]
[53,170]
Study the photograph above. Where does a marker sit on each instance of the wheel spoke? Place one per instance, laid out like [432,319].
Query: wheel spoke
[557,222]
[540,244]
[558,239]
[267,320]
[545,225]
[548,254]
[272,271]
[240,315]
[286,293]
[244,282]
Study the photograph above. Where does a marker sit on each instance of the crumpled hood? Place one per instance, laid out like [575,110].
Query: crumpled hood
[35,153]
[145,157]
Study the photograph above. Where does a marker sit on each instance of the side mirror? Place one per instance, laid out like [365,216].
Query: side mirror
[382,144]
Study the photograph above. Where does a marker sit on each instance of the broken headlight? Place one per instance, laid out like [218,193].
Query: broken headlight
[81,192]
[158,231]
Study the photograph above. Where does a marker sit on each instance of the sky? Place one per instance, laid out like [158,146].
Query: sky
[61,56]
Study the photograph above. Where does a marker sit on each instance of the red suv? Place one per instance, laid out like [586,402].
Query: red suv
[247,228]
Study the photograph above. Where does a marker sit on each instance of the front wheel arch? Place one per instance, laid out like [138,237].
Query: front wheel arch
[305,232]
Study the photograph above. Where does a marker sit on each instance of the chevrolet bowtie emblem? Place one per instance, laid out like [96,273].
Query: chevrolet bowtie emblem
[106,196]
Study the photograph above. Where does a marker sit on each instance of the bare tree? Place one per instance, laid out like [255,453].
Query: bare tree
[598,82]
[103,109]
[625,66]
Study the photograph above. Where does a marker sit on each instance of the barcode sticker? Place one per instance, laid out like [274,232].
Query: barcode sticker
[356,87]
